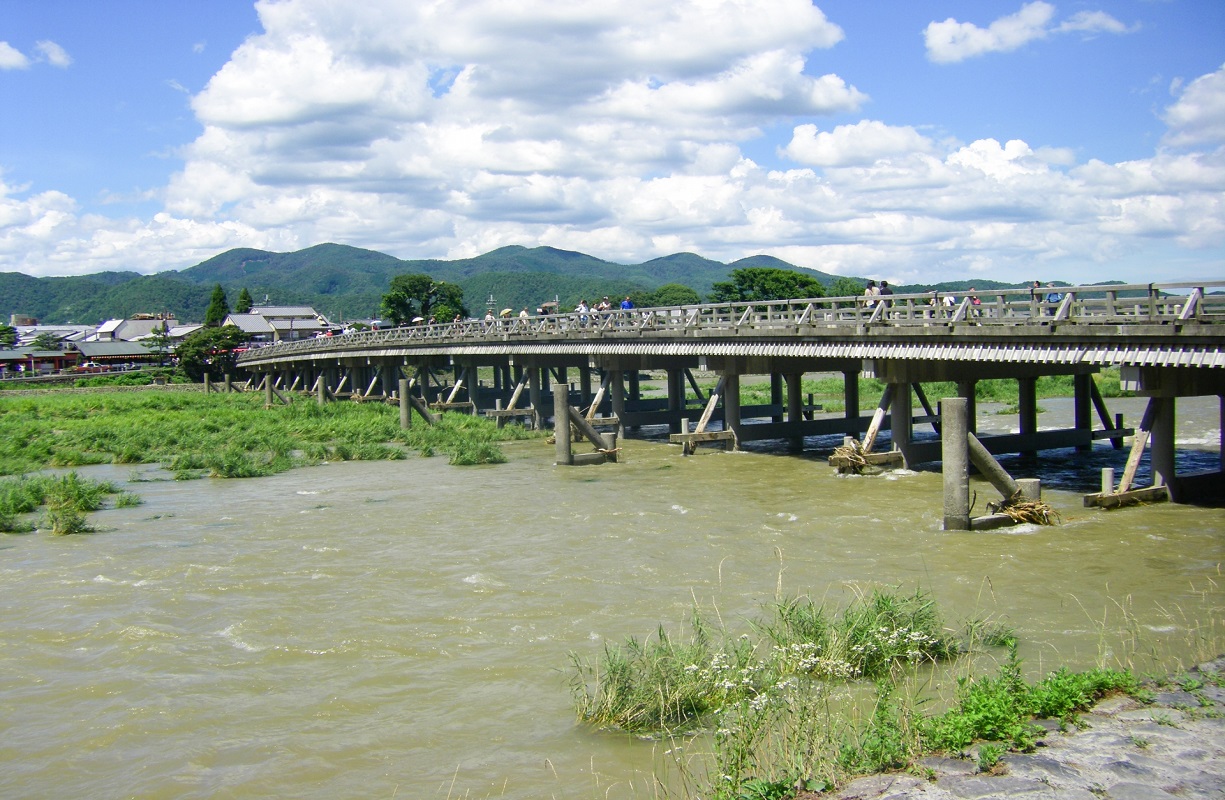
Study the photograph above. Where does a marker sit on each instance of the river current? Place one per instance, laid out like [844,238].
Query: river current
[403,629]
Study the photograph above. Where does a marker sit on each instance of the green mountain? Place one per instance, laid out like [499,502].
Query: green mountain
[348,282]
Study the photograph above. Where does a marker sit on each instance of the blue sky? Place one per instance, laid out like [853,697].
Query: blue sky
[917,142]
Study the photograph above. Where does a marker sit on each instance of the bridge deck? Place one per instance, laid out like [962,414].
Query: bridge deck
[1180,324]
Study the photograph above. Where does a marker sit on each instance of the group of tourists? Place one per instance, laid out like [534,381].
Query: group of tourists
[873,294]
[602,309]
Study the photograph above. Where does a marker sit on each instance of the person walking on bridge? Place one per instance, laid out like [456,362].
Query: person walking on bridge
[870,294]
[886,292]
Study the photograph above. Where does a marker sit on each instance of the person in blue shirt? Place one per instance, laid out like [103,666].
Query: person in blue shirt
[627,304]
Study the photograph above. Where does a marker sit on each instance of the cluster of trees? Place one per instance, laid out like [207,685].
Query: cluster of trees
[219,307]
[214,348]
[418,298]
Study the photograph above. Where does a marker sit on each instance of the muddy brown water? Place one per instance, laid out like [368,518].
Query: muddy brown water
[402,629]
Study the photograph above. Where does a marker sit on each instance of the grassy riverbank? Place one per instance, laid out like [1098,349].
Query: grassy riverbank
[818,696]
[223,435]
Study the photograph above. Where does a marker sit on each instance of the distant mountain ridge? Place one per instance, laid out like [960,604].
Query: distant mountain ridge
[347,282]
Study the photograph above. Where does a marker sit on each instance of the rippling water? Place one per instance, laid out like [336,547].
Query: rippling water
[402,629]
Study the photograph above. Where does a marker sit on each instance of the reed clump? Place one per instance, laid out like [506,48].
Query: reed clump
[663,684]
[66,499]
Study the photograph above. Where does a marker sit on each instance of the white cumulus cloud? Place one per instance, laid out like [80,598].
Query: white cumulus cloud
[627,129]
[1198,116]
[12,58]
[53,54]
[951,41]
[861,143]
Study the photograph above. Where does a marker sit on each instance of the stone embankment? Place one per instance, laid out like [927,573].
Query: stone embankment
[1170,749]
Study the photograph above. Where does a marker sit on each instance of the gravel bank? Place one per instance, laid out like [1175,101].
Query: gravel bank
[1122,750]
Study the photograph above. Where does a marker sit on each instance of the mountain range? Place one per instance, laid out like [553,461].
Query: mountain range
[346,282]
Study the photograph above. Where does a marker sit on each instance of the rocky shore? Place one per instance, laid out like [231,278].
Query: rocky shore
[1123,749]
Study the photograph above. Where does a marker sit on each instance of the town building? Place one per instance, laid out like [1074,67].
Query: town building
[268,324]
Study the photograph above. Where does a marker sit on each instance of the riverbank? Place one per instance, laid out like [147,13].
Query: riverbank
[1173,747]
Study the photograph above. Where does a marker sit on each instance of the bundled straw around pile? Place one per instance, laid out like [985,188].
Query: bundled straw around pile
[854,455]
[1023,510]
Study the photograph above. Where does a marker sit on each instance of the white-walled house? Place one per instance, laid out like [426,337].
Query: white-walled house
[129,330]
[268,324]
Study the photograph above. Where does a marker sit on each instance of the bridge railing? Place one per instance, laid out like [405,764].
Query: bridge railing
[1116,304]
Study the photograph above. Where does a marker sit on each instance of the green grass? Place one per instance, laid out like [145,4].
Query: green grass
[999,708]
[664,683]
[223,435]
[66,498]
[826,695]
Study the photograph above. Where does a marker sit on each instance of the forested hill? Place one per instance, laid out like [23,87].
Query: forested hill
[347,282]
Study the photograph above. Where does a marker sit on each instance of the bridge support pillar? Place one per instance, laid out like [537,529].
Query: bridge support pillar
[955,466]
[533,397]
[1027,404]
[406,413]
[561,428]
[391,384]
[676,397]
[1161,446]
[901,419]
[795,405]
[776,394]
[1082,407]
[965,390]
[618,400]
[584,386]
[731,406]
[850,399]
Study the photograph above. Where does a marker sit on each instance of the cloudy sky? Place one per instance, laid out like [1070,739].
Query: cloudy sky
[1076,140]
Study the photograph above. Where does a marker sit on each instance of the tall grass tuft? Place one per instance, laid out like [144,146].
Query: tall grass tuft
[67,499]
[871,636]
[664,684]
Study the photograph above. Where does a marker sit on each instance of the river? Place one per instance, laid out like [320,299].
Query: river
[402,629]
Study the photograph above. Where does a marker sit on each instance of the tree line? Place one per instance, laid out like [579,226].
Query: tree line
[417,298]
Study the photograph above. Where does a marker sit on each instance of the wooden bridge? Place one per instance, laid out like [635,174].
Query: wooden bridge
[1168,340]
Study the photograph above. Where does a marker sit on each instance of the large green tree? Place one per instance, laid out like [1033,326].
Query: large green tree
[8,335]
[419,295]
[766,283]
[674,294]
[210,350]
[218,308]
[244,302]
[846,287]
